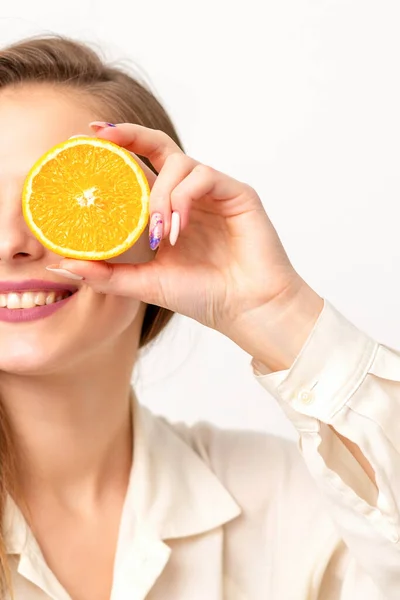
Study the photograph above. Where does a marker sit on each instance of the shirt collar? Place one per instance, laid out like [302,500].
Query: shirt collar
[172,489]
[16,531]
[172,492]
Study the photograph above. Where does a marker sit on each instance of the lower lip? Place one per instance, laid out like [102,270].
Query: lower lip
[22,315]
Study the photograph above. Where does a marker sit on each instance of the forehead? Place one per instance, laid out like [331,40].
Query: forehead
[35,118]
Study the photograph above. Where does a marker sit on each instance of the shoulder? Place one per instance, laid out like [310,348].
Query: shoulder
[266,477]
[257,468]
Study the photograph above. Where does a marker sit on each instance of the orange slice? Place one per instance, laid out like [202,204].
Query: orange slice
[86,198]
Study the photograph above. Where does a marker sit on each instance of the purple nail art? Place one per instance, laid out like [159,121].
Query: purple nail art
[110,124]
[156,230]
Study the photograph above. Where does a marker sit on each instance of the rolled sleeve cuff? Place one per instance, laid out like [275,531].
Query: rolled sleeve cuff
[332,364]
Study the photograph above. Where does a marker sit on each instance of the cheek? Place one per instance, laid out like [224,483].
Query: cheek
[118,314]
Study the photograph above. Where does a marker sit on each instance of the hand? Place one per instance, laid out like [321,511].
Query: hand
[228,267]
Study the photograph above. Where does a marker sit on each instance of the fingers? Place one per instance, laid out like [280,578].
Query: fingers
[162,204]
[180,181]
[140,281]
[206,181]
[151,143]
[172,166]
[157,146]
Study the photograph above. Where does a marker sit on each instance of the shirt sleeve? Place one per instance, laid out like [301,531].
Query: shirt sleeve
[344,381]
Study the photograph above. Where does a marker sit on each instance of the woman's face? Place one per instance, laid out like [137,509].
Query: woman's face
[32,120]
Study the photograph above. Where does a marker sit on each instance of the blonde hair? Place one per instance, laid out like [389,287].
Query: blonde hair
[120,97]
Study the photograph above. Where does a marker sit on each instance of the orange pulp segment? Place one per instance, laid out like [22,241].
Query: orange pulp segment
[86,198]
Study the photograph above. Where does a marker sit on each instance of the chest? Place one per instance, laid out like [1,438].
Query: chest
[71,559]
[223,564]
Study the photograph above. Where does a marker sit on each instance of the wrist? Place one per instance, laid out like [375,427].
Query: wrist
[274,334]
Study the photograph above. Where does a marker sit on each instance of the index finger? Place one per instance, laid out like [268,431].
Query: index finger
[151,143]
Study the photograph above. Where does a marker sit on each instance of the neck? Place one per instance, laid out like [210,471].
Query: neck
[73,429]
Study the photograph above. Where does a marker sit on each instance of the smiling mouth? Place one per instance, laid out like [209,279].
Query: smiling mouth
[31,299]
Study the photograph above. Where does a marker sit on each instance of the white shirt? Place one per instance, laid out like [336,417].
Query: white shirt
[222,515]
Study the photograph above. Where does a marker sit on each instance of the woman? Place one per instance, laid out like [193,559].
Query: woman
[100,499]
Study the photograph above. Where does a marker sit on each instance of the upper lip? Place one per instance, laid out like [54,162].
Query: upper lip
[34,285]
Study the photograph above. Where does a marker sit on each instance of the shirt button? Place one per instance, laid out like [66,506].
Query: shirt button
[390,533]
[306,397]
[394,537]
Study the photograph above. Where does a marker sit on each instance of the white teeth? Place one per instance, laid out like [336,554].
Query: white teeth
[50,298]
[40,298]
[13,300]
[28,300]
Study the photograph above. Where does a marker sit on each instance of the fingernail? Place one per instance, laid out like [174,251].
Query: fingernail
[63,272]
[175,228]
[100,124]
[156,230]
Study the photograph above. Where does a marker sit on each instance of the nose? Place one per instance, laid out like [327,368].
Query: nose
[17,243]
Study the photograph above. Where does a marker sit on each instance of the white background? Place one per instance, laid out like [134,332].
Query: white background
[299,98]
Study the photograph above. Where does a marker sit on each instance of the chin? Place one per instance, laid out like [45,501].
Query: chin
[23,358]
[39,348]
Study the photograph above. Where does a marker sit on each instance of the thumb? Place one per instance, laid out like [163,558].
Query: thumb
[140,281]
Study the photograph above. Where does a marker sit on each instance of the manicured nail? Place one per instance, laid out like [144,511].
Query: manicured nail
[175,228]
[63,272]
[100,124]
[156,230]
